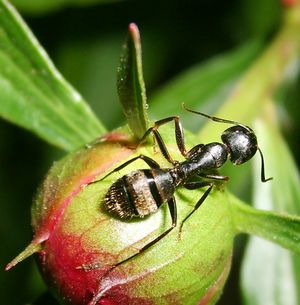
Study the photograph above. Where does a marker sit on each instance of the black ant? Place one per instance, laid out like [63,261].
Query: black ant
[142,192]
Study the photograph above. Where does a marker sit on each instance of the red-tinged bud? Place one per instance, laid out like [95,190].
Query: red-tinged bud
[78,241]
[289,2]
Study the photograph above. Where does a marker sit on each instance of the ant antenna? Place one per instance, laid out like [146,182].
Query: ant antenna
[262,172]
[215,119]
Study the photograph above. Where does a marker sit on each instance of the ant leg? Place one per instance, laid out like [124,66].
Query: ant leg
[179,134]
[173,213]
[262,173]
[192,185]
[195,185]
[214,177]
[151,163]
[162,147]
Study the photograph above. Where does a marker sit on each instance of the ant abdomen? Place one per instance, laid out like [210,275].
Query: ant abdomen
[139,193]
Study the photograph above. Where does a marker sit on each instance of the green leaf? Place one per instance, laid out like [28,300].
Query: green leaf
[131,87]
[282,229]
[280,281]
[205,85]
[33,93]
[44,6]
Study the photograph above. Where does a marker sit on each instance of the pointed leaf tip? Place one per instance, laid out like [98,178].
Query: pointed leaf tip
[130,83]
[29,250]
[134,31]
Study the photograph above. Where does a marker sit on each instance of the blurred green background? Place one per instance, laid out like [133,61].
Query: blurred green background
[84,41]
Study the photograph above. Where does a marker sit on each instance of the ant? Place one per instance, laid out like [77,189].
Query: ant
[142,192]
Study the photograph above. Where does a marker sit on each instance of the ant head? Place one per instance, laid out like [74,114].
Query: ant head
[241,143]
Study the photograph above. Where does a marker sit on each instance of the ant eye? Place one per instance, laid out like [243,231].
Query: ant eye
[241,143]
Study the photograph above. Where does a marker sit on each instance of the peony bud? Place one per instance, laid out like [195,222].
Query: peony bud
[78,241]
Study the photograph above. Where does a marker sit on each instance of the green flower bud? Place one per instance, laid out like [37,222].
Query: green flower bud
[78,241]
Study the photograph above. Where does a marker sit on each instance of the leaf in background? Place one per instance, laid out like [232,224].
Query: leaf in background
[205,85]
[282,229]
[94,75]
[45,6]
[33,93]
[262,79]
[130,83]
[271,275]
[256,19]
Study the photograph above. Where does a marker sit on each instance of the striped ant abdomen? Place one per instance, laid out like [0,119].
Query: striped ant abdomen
[139,193]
